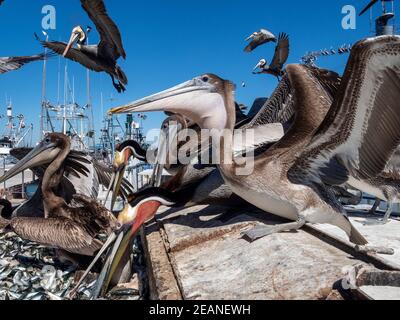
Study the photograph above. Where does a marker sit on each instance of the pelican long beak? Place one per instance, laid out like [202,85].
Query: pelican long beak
[119,176]
[257,66]
[120,163]
[74,37]
[250,37]
[161,101]
[43,154]
[122,246]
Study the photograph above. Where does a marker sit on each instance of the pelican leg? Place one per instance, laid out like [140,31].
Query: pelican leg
[385,219]
[116,85]
[388,213]
[264,231]
[375,207]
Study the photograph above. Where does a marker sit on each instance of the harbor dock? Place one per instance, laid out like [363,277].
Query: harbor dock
[199,254]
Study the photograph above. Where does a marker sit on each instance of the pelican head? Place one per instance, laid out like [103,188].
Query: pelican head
[200,100]
[43,154]
[123,153]
[77,35]
[252,36]
[261,64]
[141,208]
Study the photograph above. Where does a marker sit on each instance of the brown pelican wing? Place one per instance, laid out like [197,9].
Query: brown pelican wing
[360,133]
[262,37]
[281,52]
[74,164]
[109,32]
[92,215]
[105,174]
[280,108]
[57,232]
[13,63]
[73,54]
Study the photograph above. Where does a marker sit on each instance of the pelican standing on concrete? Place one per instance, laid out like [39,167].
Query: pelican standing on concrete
[276,185]
[101,57]
[73,228]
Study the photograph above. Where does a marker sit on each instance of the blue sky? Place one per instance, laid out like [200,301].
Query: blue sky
[168,42]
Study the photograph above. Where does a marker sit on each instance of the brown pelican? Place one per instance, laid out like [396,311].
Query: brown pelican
[340,153]
[287,192]
[280,57]
[14,63]
[82,175]
[73,228]
[259,38]
[102,57]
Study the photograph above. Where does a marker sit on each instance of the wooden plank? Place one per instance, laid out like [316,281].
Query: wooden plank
[162,281]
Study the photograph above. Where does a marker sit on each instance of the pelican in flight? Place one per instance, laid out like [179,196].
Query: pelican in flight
[70,227]
[259,38]
[293,178]
[280,57]
[14,63]
[101,57]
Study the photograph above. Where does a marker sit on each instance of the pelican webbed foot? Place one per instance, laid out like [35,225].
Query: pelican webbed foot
[264,231]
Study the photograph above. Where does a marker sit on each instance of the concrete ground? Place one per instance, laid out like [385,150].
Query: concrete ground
[199,253]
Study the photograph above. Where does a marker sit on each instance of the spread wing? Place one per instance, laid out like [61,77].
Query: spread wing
[73,54]
[111,41]
[361,131]
[264,36]
[14,63]
[57,232]
[281,52]
[279,108]
[105,175]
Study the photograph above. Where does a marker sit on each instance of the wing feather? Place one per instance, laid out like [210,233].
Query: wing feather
[13,63]
[109,32]
[360,133]
[73,54]
[281,52]
[57,232]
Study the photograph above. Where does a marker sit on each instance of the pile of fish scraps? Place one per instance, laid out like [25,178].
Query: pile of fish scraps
[29,271]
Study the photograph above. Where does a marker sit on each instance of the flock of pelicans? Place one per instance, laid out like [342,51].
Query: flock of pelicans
[316,135]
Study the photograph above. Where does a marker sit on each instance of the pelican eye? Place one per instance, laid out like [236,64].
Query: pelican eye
[205,79]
